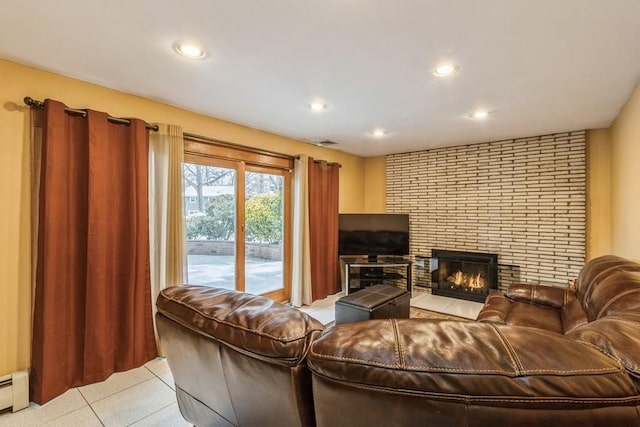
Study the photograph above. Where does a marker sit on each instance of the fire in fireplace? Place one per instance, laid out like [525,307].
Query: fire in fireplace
[465,275]
[467,281]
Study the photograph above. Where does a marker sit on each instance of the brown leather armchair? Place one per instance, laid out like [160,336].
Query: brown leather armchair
[237,359]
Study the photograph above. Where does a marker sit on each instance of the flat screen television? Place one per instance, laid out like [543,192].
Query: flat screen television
[373,235]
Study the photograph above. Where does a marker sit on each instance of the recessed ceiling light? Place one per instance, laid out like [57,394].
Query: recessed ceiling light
[317,106]
[379,133]
[445,70]
[480,114]
[189,50]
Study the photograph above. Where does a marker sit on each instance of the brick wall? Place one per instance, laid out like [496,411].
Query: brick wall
[223,247]
[523,199]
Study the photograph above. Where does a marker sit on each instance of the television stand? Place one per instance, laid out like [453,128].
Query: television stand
[360,272]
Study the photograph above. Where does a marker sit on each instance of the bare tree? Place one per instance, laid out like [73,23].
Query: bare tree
[262,183]
[198,176]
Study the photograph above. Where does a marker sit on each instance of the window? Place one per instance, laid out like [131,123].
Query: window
[193,200]
[240,238]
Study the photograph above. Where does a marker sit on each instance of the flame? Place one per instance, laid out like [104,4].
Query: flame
[469,281]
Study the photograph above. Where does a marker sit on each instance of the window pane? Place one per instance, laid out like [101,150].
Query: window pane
[264,232]
[209,194]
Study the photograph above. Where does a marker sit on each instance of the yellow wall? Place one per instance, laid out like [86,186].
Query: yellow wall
[18,81]
[598,193]
[625,179]
[375,196]
[612,155]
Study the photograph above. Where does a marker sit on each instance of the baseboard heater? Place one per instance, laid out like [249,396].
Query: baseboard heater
[14,391]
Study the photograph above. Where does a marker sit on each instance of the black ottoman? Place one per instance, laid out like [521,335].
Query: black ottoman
[373,302]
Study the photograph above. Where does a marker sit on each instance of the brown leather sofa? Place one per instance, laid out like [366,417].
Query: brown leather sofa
[600,289]
[514,367]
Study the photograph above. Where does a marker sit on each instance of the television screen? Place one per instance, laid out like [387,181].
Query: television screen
[373,234]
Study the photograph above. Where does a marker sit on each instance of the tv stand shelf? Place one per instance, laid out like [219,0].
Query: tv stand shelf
[360,272]
[363,277]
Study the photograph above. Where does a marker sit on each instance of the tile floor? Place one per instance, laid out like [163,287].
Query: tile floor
[141,397]
[145,397]
[452,306]
[323,310]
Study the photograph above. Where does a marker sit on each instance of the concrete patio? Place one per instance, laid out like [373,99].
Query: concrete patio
[218,271]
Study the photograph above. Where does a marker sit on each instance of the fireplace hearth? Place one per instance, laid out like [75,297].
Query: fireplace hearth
[466,275]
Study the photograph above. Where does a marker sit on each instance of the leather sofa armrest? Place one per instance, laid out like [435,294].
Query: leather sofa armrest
[549,296]
[495,309]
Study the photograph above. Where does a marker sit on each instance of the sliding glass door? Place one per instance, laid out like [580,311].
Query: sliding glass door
[237,226]
[210,224]
[264,231]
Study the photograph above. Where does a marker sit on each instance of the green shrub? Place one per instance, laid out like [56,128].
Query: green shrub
[264,218]
[216,223]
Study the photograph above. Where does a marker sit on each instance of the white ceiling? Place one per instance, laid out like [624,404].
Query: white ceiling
[539,66]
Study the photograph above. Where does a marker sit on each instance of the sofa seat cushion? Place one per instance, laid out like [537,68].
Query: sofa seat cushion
[255,325]
[534,316]
[498,308]
[474,362]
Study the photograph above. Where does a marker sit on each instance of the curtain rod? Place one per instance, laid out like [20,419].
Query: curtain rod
[39,104]
[207,140]
[191,136]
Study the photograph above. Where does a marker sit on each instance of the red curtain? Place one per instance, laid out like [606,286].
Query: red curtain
[92,304]
[323,228]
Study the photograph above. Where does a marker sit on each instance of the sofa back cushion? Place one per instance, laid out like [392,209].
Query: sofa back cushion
[464,373]
[618,292]
[594,272]
[256,325]
[464,359]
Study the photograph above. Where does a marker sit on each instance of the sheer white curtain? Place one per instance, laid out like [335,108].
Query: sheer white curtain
[301,283]
[166,220]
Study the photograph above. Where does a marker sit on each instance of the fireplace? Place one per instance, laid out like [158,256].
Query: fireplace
[465,275]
